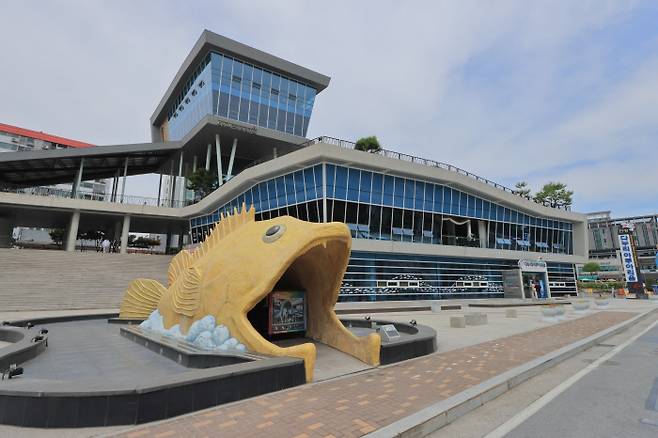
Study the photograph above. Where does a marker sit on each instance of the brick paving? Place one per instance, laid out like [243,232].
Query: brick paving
[359,404]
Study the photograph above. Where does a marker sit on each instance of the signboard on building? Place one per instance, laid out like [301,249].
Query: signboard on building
[532,265]
[627,259]
[287,312]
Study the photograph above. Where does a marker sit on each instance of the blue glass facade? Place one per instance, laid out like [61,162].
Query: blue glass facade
[385,207]
[230,88]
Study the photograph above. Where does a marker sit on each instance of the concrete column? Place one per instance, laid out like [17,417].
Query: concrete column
[194,164]
[218,152]
[274,153]
[482,231]
[167,241]
[324,192]
[229,172]
[125,232]
[72,231]
[6,230]
[208,156]
[125,176]
[78,179]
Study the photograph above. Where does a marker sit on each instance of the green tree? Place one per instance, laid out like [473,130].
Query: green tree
[591,267]
[202,182]
[522,189]
[57,235]
[368,144]
[554,194]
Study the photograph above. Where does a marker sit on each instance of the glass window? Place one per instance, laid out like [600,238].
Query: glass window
[331,176]
[353,184]
[341,183]
[283,104]
[364,186]
[428,203]
[419,194]
[398,196]
[256,87]
[409,189]
[290,189]
[310,184]
[236,85]
[300,193]
[377,189]
[274,101]
[438,198]
[263,113]
[245,94]
[389,186]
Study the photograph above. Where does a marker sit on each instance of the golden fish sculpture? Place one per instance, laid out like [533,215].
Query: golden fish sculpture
[240,262]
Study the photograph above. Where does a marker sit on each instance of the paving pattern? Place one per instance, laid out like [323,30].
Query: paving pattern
[356,405]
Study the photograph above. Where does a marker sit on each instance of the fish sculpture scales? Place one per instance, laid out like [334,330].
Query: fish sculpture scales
[240,262]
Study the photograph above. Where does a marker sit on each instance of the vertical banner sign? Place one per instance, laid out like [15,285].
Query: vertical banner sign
[627,260]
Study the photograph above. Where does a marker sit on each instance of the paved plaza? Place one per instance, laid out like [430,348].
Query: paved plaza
[359,404]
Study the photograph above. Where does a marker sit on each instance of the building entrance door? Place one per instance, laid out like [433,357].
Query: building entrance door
[534,278]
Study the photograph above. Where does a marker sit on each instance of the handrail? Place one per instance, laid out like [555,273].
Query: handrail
[53,192]
[426,162]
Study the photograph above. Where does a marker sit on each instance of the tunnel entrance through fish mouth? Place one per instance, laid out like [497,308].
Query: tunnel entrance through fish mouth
[307,288]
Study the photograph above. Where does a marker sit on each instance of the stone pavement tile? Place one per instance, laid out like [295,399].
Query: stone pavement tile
[356,405]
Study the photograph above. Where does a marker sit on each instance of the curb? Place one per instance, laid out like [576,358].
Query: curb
[446,411]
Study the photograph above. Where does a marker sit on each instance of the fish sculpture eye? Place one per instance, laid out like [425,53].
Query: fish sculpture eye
[273,233]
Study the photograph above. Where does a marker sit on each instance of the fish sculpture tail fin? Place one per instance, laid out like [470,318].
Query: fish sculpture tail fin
[141,298]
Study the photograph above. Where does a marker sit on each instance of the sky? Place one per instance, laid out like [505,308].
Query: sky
[510,90]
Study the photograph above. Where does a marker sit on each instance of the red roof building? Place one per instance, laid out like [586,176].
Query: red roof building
[43,136]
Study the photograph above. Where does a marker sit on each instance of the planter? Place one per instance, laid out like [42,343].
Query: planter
[580,306]
[560,313]
[602,302]
[549,313]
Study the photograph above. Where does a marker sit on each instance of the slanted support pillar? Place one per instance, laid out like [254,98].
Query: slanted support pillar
[218,152]
[78,179]
[159,189]
[229,171]
[208,156]
[125,232]
[72,231]
[181,178]
[125,176]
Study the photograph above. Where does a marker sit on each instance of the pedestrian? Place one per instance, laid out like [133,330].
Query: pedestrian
[105,244]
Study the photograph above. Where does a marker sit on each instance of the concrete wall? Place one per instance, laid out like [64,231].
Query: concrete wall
[50,280]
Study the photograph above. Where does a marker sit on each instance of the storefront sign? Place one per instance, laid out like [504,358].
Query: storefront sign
[627,261]
[287,312]
[532,265]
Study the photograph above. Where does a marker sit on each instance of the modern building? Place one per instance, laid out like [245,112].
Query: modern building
[603,232]
[420,228]
[15,139]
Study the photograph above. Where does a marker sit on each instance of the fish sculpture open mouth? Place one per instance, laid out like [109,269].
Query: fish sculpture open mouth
[239,264]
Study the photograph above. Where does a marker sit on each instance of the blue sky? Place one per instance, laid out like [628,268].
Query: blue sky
[538,91]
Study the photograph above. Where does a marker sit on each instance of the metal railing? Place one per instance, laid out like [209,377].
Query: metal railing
[54,192]
[425,162]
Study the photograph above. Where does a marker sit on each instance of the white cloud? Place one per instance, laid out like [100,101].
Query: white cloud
[510,90]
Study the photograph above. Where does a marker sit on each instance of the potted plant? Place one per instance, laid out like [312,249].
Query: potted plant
[368,144]
[602,301]
[549,312]
[580,306]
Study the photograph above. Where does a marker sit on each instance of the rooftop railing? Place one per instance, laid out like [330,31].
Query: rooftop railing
[425,162]
[54,192]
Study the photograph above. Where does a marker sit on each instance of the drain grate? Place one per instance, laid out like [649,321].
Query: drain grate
[606,345]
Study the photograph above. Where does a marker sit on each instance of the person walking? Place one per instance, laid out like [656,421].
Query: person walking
[105,244]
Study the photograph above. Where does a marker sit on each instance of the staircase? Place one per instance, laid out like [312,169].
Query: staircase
[60,280]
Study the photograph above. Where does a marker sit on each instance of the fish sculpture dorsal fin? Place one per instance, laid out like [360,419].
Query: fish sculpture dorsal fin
[178,265]
[225,226]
